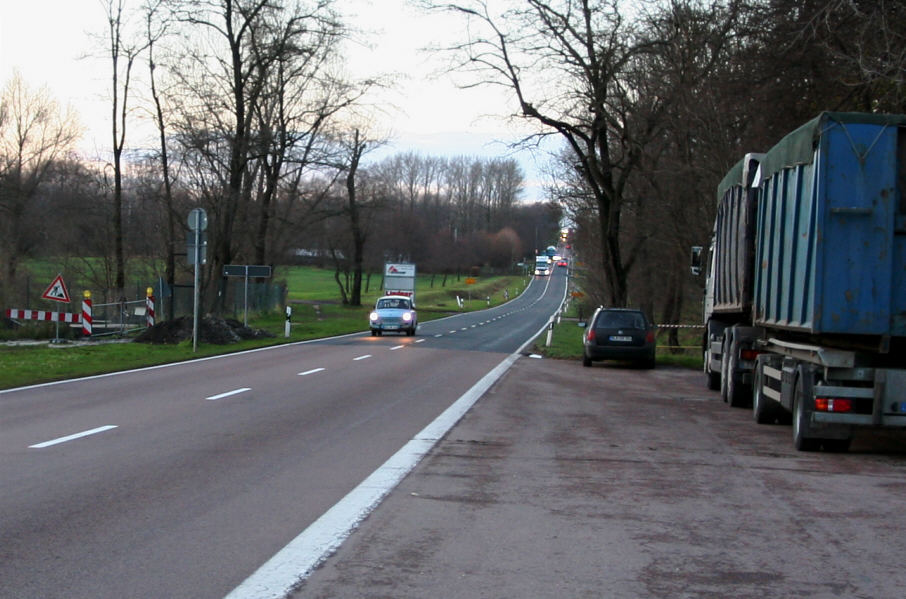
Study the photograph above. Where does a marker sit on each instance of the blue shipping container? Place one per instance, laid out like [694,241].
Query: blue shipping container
[831,228]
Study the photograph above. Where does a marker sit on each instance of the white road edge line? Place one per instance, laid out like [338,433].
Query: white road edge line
[312,371]
[93,431]
[295,562]
[277,577]
[228,393]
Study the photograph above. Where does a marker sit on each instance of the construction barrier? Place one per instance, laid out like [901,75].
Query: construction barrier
[86,313]
[149,307]
[44,315]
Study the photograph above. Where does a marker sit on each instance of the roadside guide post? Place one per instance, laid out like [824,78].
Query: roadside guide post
[289,313]
[198,222]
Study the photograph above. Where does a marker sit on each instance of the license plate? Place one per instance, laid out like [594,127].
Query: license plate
[391,327]
[620,338]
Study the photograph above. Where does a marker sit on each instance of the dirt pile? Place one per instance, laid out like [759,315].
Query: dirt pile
[213,330]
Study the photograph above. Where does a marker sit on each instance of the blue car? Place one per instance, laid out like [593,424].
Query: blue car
[394,313]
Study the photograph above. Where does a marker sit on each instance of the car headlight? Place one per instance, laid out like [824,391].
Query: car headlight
[374,317]
[407,316]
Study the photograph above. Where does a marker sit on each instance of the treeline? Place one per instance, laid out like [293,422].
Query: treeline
[257,124]
[654,102]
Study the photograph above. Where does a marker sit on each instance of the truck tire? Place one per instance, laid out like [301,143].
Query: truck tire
[738,394]
[764,409]
[802,438]
[724,371]
[712,378]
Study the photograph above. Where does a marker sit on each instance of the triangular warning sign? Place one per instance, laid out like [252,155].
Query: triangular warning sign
[57,291]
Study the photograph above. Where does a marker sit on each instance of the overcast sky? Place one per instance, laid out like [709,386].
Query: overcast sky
[51,43]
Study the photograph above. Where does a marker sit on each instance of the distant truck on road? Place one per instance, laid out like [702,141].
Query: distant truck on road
[542,266]
[805,299]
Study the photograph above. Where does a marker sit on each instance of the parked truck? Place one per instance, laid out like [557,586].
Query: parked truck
[805,296]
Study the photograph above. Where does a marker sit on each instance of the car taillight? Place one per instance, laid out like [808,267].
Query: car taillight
[829,404]
[649,338]
[590,336]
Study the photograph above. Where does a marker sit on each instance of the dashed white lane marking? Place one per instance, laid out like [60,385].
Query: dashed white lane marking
[439,335]
[228,393]
[422,340]
[93,431]
[453,331]
[365,357]
[312,371]
[395,347]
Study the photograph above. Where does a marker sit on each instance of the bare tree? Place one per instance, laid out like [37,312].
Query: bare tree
[122,55]
[35,132]
[585,47]
[248,70]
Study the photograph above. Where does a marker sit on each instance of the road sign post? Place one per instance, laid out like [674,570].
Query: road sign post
[198,222]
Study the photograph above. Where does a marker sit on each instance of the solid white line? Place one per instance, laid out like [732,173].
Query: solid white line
[366,356]
[93,431]
[395,347]
[312,371]
[228,393]
[295,562]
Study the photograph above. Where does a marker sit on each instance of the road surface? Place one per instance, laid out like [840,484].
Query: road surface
[182,481]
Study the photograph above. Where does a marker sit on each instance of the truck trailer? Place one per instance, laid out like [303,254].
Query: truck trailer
[805,296]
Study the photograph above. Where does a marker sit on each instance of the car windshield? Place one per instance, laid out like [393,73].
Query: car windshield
[398,303]
[617,320]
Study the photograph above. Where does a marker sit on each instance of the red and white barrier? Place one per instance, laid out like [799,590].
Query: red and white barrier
[149,308]
[86,314]
[44,315]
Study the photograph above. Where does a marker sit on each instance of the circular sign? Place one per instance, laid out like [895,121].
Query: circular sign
[198,219]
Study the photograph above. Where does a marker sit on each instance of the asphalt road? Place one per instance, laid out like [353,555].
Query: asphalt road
[182,481]
[613,482]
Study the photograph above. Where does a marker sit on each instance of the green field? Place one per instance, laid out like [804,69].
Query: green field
[318,312]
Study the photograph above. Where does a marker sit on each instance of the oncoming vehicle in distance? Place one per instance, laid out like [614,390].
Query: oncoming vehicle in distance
[619,334]
[393,313]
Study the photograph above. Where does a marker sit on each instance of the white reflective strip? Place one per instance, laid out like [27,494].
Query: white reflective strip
[228,393]
[312,371]
[93,431]
[365,357]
